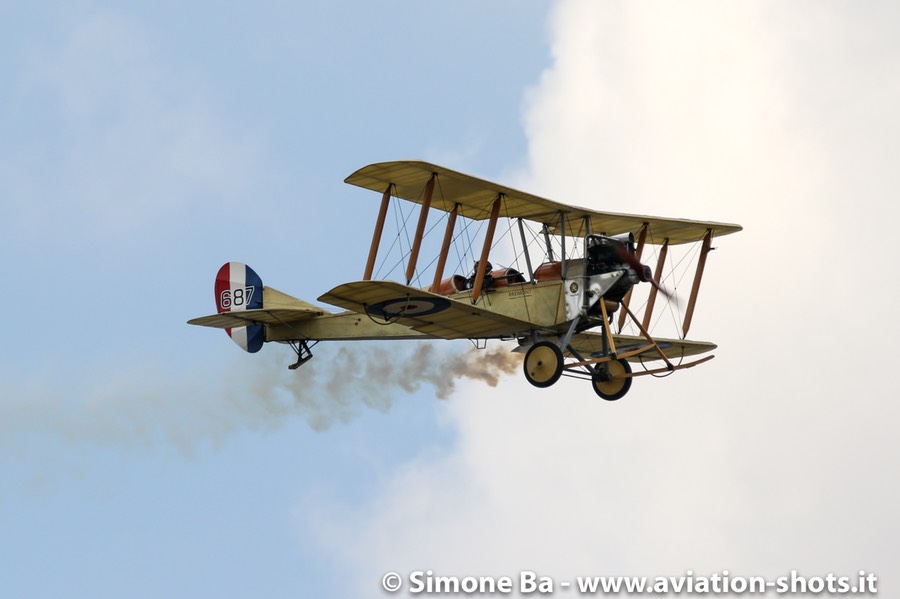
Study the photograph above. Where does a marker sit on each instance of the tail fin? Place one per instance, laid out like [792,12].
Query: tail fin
[238,288]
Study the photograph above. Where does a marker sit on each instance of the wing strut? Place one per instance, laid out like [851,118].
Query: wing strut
[488,240]
[657,276]
[420,229]
[445,247]
[701,264]
[376,236]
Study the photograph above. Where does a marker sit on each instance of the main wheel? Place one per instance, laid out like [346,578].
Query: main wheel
[543,364]
[611,381]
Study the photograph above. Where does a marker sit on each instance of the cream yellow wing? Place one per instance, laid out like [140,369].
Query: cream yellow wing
[476,196]
[591,343]
[429,313]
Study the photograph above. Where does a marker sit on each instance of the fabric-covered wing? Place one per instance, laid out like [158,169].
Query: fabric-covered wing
[590,343]
[422,311]
[476,196]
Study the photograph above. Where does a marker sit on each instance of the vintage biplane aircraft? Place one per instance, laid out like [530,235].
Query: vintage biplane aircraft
[561,308]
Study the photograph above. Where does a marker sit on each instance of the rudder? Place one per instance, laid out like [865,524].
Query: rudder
[238,288]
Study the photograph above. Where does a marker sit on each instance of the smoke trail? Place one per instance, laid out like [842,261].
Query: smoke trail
[148,408]
[373,376]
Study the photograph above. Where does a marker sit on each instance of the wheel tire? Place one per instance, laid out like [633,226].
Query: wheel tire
[543,364]
[611,384]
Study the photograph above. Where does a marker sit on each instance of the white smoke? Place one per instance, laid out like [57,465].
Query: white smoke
[372,376]
[253,393]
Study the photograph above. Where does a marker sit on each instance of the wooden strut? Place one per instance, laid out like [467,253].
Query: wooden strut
[657,276]
[695,288]
[488,240]
[420,229]
[607,330]
[647,335]
[612,355]
[445,248]
[626,301]
[610,358]
[672,369]
[660,370]
[379,228]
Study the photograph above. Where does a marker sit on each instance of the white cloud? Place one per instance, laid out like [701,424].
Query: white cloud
[778,454]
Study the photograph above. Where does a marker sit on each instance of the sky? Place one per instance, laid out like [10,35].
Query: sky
[142,146]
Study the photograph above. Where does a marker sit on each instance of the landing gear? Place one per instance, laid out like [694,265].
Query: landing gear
[303,351]
[543,364]
[611,380]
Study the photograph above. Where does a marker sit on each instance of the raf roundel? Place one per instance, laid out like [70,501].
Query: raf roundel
[409,306]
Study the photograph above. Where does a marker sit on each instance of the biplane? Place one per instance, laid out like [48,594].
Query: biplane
[567,298]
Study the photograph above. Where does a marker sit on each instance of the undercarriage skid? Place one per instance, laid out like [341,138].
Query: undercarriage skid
[303,349]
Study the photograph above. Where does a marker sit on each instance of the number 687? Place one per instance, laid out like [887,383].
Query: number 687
[235,298]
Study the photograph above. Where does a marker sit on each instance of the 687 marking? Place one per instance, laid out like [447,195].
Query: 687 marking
[235,298]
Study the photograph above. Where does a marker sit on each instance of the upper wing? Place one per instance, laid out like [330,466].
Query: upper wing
[589,343]
[476,196]
[422,311]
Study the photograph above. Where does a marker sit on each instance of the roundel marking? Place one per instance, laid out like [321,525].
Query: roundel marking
[409,306]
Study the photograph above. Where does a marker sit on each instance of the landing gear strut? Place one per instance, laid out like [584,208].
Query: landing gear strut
[304,354]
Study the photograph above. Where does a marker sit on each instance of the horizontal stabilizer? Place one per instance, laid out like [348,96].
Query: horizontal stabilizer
[277,308]
[228,320]
[274,299]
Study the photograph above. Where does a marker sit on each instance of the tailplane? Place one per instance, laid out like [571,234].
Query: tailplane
[246,308]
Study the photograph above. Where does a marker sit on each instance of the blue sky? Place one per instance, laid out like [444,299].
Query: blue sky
[143,146]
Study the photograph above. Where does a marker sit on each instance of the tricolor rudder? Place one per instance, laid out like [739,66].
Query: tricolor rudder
[238,287]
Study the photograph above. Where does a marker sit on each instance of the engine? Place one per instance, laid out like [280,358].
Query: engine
[608,254]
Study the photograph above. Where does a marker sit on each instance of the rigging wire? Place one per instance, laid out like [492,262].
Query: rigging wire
[400,224]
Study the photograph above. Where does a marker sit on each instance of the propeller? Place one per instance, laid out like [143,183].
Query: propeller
[641,270]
